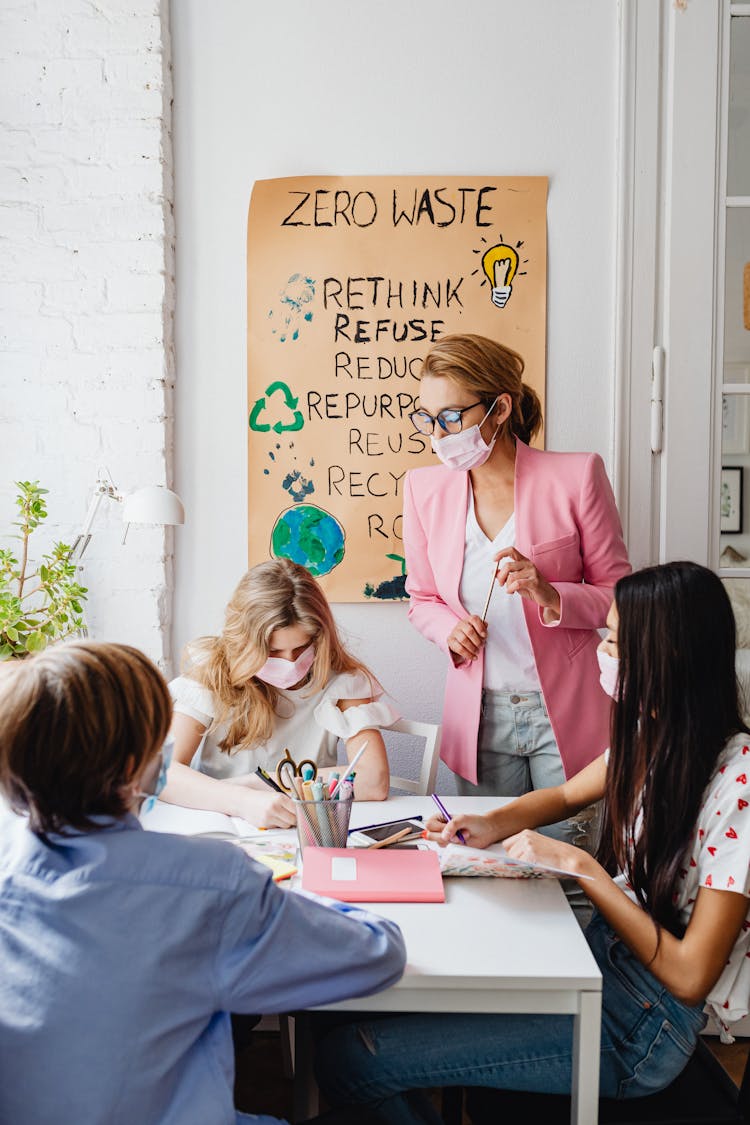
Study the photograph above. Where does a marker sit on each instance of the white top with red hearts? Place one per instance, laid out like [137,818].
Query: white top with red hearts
[719,858]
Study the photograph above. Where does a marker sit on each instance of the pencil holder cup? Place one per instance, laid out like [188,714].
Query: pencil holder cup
[323,824]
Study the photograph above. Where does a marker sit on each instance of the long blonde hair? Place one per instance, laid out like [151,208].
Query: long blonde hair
[272,595]
[488,369]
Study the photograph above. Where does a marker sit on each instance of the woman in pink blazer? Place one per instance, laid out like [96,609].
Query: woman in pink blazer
[523,705]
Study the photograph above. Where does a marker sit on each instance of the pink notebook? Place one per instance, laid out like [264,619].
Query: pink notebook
[364,875]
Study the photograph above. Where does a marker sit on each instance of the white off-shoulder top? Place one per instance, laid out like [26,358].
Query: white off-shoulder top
[308,723]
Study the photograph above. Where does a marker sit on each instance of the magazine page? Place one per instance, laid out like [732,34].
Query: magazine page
[494,862]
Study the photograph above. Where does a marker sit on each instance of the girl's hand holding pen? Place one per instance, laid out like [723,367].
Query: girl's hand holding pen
[264,809]
[279,812]
[477,831]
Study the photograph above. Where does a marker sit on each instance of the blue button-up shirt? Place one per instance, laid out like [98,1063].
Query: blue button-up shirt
[121,952]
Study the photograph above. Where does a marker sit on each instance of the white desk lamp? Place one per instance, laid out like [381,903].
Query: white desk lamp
[152,504]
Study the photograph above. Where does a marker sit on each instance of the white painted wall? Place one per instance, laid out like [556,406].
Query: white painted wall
[87,288]
[417,87]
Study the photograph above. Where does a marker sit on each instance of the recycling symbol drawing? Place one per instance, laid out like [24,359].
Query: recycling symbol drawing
[289,405]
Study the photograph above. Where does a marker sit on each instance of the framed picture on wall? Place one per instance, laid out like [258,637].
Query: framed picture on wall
[731,499]
[735,411]
[734,423]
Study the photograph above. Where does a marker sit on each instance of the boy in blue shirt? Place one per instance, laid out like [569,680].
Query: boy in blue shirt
[123,951]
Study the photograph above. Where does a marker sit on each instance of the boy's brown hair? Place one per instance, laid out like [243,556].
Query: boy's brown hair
[77,723]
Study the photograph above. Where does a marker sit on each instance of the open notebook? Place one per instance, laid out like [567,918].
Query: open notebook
[494,863]
[196,822]
[275,848]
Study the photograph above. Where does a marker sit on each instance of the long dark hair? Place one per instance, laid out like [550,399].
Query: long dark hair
[677,704]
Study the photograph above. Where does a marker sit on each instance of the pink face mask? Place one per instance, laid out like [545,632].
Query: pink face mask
[286,673]
[465,450]
[609,672]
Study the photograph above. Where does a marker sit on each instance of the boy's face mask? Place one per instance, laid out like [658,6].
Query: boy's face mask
[161,777]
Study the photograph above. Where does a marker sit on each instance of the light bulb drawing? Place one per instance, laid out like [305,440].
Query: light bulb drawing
[500,264]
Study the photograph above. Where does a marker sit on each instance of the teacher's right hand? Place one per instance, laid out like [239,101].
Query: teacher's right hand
[466,639]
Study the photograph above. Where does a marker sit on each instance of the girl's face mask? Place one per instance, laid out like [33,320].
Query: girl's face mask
[161,777]
[286,673]
[609,672]
[467,449]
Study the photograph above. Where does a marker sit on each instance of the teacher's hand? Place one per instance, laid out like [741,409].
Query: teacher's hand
[467,639]
[519,576]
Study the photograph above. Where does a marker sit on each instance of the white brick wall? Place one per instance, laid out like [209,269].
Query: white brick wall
[87,286]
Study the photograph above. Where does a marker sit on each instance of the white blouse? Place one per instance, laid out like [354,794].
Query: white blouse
[509,663]
[718,857]
[308,723]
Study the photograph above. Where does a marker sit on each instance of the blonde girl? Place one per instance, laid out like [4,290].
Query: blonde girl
[276,677]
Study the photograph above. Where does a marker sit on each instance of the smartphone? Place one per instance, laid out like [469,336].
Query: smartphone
[377,832]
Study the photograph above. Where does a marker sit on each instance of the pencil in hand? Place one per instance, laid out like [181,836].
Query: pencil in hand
[489,592]
[261,773]
[447,816]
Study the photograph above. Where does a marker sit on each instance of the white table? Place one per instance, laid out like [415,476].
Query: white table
[494,945]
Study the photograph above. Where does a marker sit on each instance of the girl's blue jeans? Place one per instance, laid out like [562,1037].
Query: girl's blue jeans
[647,1038]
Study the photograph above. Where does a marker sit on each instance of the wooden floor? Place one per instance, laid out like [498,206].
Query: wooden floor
[261,1086]
[731,1056]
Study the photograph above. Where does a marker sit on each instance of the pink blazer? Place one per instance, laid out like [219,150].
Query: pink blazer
[567,524]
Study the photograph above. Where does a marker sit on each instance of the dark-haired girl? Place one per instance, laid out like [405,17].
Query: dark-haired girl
[670,884]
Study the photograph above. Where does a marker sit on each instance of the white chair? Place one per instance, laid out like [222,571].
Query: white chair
[430,732]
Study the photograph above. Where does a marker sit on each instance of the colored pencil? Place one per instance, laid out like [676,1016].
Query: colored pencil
[444,812]
[350,769]
[489,592]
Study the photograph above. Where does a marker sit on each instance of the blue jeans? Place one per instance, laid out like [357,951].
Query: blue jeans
[516,749]
[647,1038]
[517,753]
[253,1119]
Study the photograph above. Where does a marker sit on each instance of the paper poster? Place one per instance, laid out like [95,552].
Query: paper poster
[350,280]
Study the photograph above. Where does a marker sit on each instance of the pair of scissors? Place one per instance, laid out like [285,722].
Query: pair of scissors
[288,769]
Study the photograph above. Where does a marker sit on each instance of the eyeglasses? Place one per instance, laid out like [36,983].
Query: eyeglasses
[450,421]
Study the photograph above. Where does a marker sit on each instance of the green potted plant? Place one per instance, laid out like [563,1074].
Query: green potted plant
[39,603]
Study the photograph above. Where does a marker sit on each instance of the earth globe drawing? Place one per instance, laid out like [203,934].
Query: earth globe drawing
[307,535]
